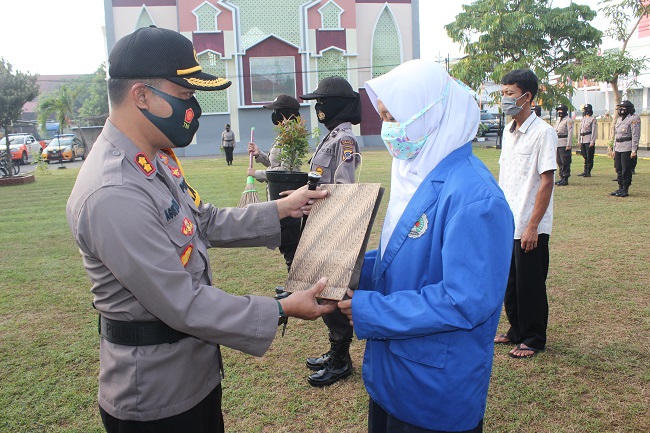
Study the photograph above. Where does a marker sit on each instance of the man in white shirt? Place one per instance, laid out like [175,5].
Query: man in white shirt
[526,176]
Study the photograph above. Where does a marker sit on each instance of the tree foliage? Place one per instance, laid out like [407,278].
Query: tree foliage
[15,90]
[94,98]
[60,104]
[501,35]
[625,16]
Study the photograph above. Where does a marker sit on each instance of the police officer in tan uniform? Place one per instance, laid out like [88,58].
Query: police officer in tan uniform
[626,143]
[338,107]
[144,233]
[588,137]
[228,143]
[564,130]
[284,107]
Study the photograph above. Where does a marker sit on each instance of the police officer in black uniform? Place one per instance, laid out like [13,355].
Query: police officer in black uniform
[338,107]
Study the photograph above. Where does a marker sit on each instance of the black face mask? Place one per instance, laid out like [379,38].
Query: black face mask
[183,123]
[622,112]
[280,114]
[561,114]
[328,110]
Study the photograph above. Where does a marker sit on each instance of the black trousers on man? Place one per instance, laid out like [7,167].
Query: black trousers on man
[205,417]
[624,165]
[563,157]
[587,153]
[228,151]
[525,301]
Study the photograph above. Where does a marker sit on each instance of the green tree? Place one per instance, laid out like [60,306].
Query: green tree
[501,35]
[94,98]
[61,105]
[15,90]
[625,16]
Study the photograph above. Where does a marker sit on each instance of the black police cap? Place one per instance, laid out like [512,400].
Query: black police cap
[332,86]
[152,52]
[562,107]
[587,107]
[283,101]
[626,104]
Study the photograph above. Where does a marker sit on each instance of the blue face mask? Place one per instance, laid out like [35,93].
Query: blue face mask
[396,140]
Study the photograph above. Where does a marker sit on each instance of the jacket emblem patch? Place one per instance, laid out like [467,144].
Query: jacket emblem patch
[185,256]
[164,158]
[172,211]
[188,228]
[175,171]
[319,170]
[145,165]
[348,149]
[420,227]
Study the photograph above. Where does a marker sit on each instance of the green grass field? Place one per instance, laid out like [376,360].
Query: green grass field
[594,376]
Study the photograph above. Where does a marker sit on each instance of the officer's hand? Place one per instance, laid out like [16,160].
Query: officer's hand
[303,304]
[252,148]
[346,306]
[299,202]
[250,172]
[568,148]
[633,154]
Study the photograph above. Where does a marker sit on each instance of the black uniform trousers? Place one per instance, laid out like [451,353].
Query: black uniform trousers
[588,154]
[228,151]
[563,157]
[289,238]
[205,417]
[380,421]
[624,165]
[525,301]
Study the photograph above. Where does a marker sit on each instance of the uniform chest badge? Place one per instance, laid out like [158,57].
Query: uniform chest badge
[188,228]
[175,171]
[185,256]
[164,158]
[319,170]
[145,165]
[420,227]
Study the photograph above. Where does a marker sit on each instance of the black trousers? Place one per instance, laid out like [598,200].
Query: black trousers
[624,164]
[205,417]
[563,157]
[380,421]
[289,238]
[587,153]
[525,301]
[339,326]
[228,151]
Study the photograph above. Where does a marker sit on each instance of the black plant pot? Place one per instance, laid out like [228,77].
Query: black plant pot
[279,181]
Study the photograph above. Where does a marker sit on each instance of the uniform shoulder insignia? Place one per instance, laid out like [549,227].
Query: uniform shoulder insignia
[164,158]
[145,165]
[347,145]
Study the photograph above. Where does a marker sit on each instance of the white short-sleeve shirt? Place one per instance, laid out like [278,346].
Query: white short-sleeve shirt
[526,153]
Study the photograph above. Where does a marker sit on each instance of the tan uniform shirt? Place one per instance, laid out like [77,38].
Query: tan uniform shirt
[564,129]
[588,130]
[228,139]
[335,158]
[627,133]
[144,242]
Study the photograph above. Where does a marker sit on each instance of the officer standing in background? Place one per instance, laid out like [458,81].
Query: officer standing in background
[564,129]
[228,143]
[338,107]
[626,143]
[588,136]
[284,107]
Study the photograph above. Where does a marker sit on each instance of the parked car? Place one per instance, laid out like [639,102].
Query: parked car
[64,147]
[23,147]
[492,122]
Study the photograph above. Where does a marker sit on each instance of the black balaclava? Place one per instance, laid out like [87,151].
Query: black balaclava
[588,111]
[334,110]
[623,112]
[279,114]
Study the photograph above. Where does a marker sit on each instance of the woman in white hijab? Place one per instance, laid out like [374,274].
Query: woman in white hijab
[430,298]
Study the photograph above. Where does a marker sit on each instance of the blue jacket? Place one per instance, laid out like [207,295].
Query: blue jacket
[430,307]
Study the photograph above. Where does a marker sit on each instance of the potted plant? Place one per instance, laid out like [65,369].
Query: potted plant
[294,145]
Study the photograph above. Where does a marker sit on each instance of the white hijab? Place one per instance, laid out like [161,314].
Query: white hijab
[451,123]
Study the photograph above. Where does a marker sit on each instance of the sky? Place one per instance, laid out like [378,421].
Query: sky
[53,37]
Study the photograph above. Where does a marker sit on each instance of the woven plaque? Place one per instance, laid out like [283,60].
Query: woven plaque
[334,239]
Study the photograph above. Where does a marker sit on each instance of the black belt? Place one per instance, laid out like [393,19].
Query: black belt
[562,135]
[138,333]
[582,134]
[624,139]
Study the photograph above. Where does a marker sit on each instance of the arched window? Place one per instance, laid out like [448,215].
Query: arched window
[331,16]
[332,63]
[206,18]
[144,20]
[386,52]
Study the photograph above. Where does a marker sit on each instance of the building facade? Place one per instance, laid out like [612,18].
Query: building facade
[269,47]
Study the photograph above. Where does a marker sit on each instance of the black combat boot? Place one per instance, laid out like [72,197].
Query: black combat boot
[563,182]
[620,188]
[622,192]
[587,173]
[334,365]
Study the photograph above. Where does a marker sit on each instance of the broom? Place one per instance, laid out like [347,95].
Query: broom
[250,193]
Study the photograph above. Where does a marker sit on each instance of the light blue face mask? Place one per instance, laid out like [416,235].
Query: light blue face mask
[395,138]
